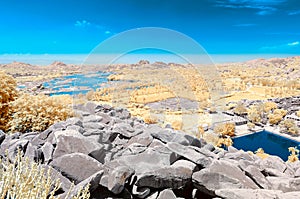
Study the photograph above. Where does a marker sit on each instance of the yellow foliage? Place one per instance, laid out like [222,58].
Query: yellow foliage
[268,106]
[294,156]
[8,93]
[224,141]
[281,112]
[200,132]
[291,126]
[8,90]
[254,114]
[150,119]
[23,179]
[225,129]
[240,108]
[261,153]
[250,125]
[37,113]
[298,113]
[177,125]
[274,118]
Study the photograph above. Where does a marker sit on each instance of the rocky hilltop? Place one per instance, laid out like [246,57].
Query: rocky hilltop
[122,157]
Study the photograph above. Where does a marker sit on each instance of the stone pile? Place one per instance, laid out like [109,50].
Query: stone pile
[122,157]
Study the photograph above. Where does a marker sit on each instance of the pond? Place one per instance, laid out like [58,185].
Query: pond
[272,144]
[76,84]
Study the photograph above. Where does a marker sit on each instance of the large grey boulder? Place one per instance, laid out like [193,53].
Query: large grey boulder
[42,137]
[209,182]
[106,119]
[185,164]
[76,166]
[149,160]
[190,154]
[92,118]
[168,177]
[169,135]
[76,128]
[47,150]
[143,139]
[70,141]
[221,175]
[239,155]
[255,174]
[12,146]
[32,153]
[93,125]
[247,193]
[54,174]
[125,130]
[74,121]
[284,184]
[273,162]
[117,178]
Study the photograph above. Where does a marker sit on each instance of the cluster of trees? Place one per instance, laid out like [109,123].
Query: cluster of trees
[23,112]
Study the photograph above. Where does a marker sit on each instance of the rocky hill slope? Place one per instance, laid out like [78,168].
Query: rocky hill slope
[122,157]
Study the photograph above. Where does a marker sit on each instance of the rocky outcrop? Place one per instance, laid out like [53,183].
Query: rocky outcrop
[122,157]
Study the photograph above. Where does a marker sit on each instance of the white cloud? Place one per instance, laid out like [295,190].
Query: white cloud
[296,43]
[281,46]
[82,23]
[263,7]
[294,12]
[85,24]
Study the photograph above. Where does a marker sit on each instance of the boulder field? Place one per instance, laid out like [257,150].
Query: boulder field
[122,157]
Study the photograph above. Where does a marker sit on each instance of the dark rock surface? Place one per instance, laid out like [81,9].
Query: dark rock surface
[122,157]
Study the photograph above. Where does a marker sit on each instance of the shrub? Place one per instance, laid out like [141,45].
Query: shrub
[23,179]
[268,106]
[225,129]
[290,126]
[8,90]
[274,118]
[261,153]
[8,93]
[177,125]
[225,141]
[254,114]
[240,109]
[294,156]
[298,113]
[281,112]
[250,125]
[37,113]
[150,119]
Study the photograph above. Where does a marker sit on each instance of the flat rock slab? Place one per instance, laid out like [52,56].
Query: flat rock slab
[221,175]
[71,141]
[273,162]
[117,178]
[168,177]
[285,184]
[149,160]
[76,166]
[190,154]
[258,177]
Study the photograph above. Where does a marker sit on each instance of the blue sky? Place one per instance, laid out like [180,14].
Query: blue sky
[220,26]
